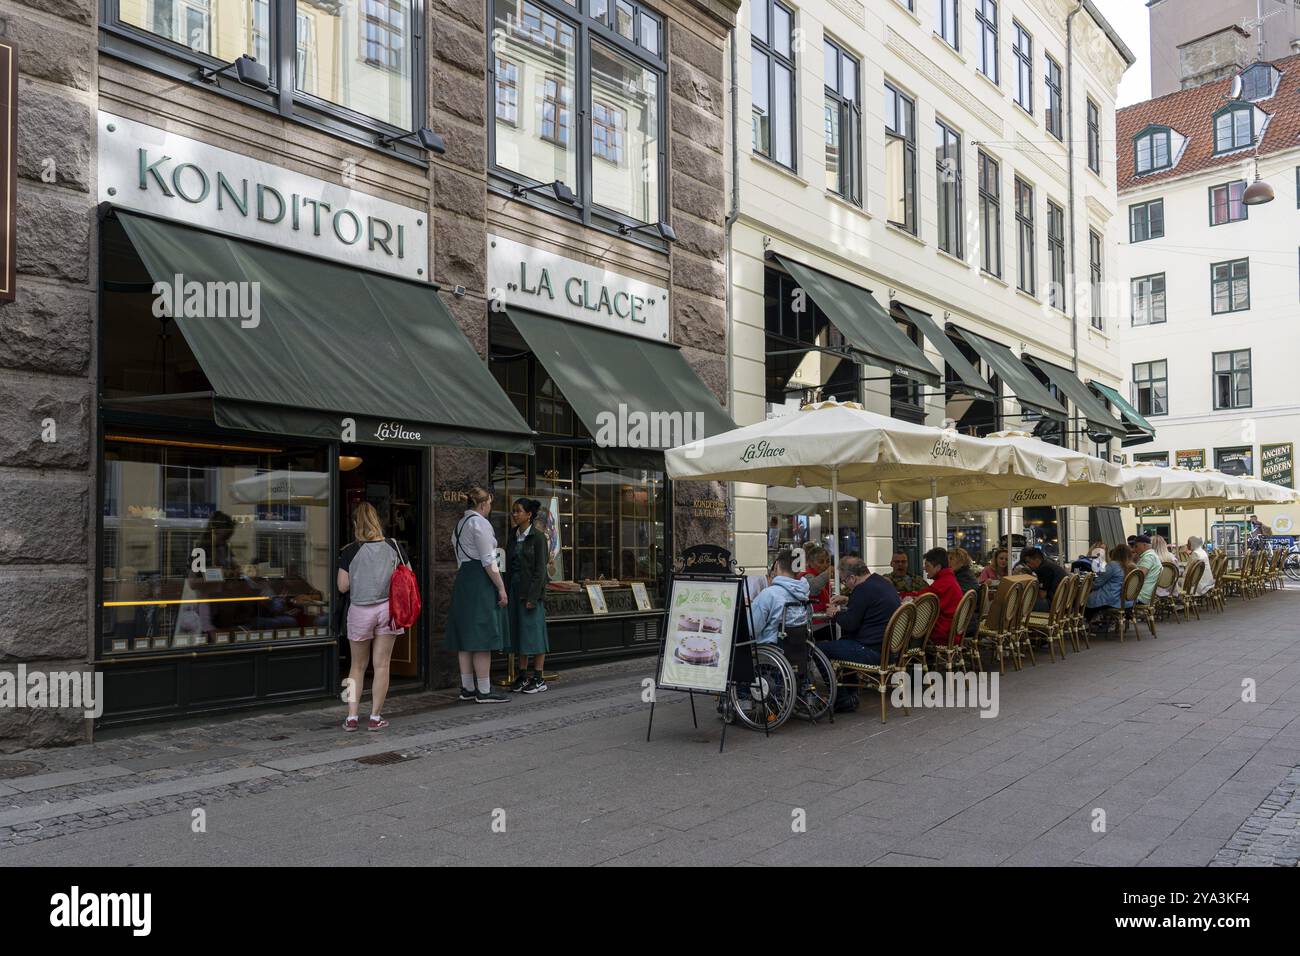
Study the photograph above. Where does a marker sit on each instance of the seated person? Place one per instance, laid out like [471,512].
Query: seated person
[1049,574]
[945,587]
[1108,587]
[818,576]
[901,577]
[996,568]
[783,600]
[959,559]
[861,614]
[1149,562]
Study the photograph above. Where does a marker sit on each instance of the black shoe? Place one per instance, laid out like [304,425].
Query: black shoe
[467,694]
[520,682]
[491,697]
[535,685]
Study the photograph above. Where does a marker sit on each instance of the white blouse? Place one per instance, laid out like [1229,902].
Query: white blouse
[478,542]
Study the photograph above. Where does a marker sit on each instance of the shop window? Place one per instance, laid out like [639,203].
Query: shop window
[1235,461]
[615,163]
[807,356]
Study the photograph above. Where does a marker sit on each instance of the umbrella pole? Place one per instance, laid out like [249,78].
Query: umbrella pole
[1174,512]
[835,526]
[1010,499]
[934,514]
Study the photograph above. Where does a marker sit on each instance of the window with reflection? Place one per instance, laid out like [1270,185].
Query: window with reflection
[212,542]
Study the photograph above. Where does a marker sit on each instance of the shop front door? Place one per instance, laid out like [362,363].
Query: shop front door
[392,480]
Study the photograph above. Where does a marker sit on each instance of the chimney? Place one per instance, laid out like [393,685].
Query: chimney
[1215,56]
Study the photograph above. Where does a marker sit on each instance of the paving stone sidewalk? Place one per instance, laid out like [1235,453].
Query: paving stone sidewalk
[1143,753]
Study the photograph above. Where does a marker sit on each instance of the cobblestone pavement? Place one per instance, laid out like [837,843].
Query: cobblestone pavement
[1142,753]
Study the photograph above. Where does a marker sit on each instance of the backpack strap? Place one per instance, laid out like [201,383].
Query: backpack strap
[401,558]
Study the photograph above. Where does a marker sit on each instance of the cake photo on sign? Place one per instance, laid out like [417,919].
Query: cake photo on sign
[712,625]
[698,650]
[688,623]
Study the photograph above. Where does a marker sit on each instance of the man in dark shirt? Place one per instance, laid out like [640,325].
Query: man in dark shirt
[1049,574]
[861,616]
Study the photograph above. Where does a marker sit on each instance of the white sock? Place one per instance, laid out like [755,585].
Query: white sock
[467,681]
[375,716]
[484,685]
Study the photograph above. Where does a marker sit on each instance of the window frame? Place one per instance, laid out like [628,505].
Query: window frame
[943,28]
[1150,380]
[1245,210]
[1150,134]
[988,30]
[1233,371]
[955,217]
[1257,68]
[1096,276]
[1094,135]
[990,209]
[1026,237]
[1024,58]
[850,164]
[791,62]
[1056,292]
[588,31]
[909,159]
[1232,109]
[1231,264]
[1145,207]
[1053,112]
[125,41]
[1151,294]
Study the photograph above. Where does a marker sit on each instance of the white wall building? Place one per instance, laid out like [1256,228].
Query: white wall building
[1211,292]
[919,154]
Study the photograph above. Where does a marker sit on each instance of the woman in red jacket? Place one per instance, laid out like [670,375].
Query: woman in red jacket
[943,584]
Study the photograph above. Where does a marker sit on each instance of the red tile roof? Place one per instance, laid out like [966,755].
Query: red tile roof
[1191,112]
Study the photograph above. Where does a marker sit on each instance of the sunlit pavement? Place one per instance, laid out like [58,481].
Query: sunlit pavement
[1143,753]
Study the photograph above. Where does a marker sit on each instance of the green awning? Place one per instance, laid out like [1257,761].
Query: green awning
[1140,430]
[630,392]
[330,343]
[1096,413]
[968,378]
[1013,373]
[863,322]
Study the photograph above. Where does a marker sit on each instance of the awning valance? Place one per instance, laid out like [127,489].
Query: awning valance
[863,322]
[968,378]
[328,344]
[1085,401]
[1013,373]
[1140,431]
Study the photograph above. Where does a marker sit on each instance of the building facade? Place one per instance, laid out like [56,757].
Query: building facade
[1212,282]
[277,259]
[923,220]
[1260,29]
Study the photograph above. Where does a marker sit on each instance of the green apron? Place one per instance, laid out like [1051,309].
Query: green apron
[474,622]
[527,628]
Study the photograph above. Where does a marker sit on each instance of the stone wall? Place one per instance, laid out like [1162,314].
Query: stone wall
[46,365]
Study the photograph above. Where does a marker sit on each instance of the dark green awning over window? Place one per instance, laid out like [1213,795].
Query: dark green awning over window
[1140,431]
[1086,403]
[968,378]
[330,343]
[863,322]
[1013,373]
[630,392]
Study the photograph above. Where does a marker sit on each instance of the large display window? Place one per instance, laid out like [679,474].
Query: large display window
[212,543]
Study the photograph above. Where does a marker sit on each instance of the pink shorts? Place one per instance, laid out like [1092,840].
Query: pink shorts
[367,620]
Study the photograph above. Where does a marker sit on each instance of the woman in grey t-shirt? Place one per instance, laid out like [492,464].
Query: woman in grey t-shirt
[365,572]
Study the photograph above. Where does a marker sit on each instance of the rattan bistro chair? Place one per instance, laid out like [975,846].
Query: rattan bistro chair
[927,612]
[1216,596]
[1277,571]
[1079,619]
[1050,624]
[1128,593]
[1192,602]
[893,644]
[1023,643]
[954,652]
[997,630]
[1167,579]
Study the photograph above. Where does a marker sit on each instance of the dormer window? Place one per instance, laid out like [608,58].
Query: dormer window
[1152,149]
[1257,82]
[1234,127]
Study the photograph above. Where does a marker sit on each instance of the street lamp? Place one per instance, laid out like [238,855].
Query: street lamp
[1258,192]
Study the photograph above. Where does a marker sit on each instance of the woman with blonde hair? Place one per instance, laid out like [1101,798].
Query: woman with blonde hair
[1166,555]
[477,623]
[365,572]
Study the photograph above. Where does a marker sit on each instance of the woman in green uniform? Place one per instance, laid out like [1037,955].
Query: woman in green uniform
[526,568]
[476,622]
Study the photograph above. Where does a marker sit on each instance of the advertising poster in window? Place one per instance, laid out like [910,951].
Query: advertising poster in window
[1190,458]
[700,627]
[1277,463]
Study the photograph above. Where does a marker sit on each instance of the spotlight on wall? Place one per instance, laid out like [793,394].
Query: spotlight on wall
[558,190]
[664,231]
[247,71]
[426,138]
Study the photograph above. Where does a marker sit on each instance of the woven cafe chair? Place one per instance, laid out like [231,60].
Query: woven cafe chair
[1050,624]
[1232,583]
[1079,619]
[893,644]
[1023,644]
[996,629]
[1145,613]
[1128,592]
[1193,602]
[1277,571]
[954,652]
[1166,579]
[1259,573]
[927,612]
[1216,596]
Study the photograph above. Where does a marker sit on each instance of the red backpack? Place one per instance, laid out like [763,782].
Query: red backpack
[403,594]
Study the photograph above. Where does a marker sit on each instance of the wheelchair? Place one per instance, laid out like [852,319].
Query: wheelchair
[801,683]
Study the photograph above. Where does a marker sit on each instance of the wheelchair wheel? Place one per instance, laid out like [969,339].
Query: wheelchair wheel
[819,687]
[769,701]
[1292,566]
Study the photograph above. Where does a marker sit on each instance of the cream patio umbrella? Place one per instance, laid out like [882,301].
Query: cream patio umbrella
[1038,472]
[840,446]
[1180,488]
